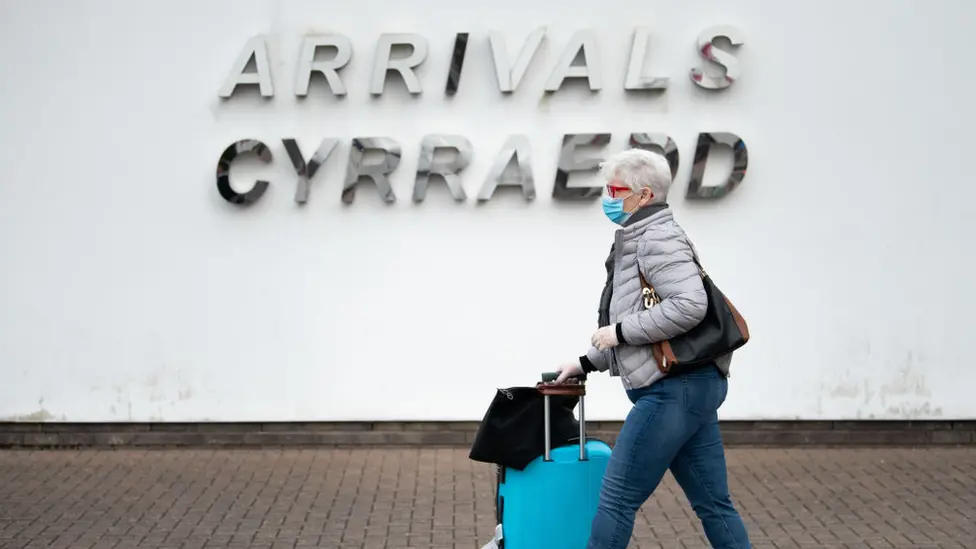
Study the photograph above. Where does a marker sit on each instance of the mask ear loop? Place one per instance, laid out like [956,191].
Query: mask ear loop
[638,202]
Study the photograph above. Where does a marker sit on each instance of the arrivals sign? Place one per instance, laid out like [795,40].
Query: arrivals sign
[509,73]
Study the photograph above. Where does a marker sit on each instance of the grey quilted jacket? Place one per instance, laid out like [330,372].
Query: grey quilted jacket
[652,241]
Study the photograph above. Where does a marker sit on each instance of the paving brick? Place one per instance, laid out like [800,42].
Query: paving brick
[955,436]
[76,439]
[782,437]
[891,425]
[777,425]
[153,438]
[40,439]
[113,439]
[19,427]
[436,497]
[893,437]
[12,439]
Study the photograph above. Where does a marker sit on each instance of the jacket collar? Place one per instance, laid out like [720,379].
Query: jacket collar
[644,213]
[643,218]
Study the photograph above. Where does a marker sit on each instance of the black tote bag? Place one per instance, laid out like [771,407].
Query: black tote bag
[512,432]
[720,332]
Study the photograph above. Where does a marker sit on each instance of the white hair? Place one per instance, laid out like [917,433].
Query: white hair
[639,168]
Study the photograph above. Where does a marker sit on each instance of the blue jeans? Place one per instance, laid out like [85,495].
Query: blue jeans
[673,425]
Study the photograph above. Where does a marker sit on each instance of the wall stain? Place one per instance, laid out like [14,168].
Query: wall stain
[907,395]
[40,415]
[853,390]
[909,411]
[846,390]
[155,392]
[907,383]
[904,396]
[163,386]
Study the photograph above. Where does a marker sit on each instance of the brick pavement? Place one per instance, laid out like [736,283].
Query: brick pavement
[388,498]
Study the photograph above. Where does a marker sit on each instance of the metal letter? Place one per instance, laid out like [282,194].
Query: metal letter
[330,69]
[711,53]
[382,64]
[236,149]
[449,170]
[652,141]
[307,171]
[515,148]
[635,69]
[457,62]
[583,40]
[257,48]
[509,76]
[569,163]
[740,161]
[377,172]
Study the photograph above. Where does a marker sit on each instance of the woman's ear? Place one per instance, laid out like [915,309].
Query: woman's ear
[646,196]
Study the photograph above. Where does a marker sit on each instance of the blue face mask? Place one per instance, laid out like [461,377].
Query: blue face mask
[614,208]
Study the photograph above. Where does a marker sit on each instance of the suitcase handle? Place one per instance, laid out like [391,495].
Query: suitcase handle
[549,377]
[570,389]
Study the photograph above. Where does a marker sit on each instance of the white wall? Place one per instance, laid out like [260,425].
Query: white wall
[130,290]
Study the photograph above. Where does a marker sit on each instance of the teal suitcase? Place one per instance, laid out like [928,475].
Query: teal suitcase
[551,503]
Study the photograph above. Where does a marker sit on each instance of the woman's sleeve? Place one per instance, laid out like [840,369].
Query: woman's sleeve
[668,264]
[595,360]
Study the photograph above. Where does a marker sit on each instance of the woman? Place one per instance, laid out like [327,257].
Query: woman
[674,421]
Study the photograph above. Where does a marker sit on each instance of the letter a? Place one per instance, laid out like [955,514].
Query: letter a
[256,47]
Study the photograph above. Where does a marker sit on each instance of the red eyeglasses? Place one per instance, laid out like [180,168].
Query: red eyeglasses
[615,191]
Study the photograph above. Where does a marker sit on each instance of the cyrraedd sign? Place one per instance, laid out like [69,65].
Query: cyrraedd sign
[516,151]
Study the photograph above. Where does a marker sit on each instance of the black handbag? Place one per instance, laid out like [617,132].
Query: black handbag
[512,432]
[722,331]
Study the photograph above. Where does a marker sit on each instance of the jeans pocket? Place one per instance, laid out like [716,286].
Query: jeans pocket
[702,393]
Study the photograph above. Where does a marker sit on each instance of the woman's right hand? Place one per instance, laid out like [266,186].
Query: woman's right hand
[568,370]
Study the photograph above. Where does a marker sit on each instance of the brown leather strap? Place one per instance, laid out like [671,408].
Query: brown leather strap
[648,293]
[564,389]
[643,281]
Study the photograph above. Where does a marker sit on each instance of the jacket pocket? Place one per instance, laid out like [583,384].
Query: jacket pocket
[636,363]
